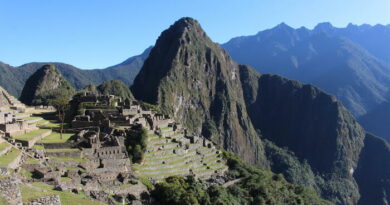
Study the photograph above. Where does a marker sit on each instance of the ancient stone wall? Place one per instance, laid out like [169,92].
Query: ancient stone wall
[9,190]
[52,200]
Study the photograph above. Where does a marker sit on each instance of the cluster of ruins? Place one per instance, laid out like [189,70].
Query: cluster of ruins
[99,163]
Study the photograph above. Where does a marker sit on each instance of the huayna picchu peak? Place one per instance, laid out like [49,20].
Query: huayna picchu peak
[195,81]
[185,124]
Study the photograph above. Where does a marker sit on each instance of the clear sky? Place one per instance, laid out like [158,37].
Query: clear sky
[101,33]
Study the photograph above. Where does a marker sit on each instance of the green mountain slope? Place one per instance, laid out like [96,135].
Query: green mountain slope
[195,81]
[313,126]
[45,84]
[115,87]
[303,132]
[14,78]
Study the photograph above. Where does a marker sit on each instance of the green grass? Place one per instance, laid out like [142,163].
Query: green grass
[24,173]
[62,150]
[41,122]
[3,201]
[30,160]
[31,135]
[40,189]
[65,179]
[55,138]
[66,159]
[3,145]
[9,157]
[74,168]
[146,182]
[30,118]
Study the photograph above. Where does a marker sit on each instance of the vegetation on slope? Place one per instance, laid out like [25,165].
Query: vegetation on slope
[252,187]
[193,80]
[136,143]
[117,88]
[45,84]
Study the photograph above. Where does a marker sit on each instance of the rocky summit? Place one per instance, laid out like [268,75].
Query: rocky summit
[195,81]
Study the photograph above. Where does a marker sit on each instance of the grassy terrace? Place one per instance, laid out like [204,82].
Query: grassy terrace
[31,135]
[31,118]
[56,138]
[3,145]
[30,160]
[176,164]
[9,157]
[39,189]
[63,150]
[67,159]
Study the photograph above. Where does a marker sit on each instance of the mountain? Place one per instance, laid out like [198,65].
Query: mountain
[377,121]
[14,78]
[317,140]
[115,87]
[196,82]
[373,171]
[375,39]
[276,123]
[45,84]
[332,62]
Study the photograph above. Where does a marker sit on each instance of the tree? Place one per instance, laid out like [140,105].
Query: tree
[61,104]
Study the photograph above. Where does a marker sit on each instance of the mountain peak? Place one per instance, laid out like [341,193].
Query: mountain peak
[46,83]
[283,26]
[324,27]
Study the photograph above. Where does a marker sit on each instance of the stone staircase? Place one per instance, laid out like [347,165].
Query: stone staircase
[7,99]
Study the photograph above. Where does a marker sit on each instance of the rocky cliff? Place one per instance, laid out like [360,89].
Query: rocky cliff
[46,83]
[293,128]
[195,81]
[312,125]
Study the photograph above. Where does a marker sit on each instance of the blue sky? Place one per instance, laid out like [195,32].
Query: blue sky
[101,33]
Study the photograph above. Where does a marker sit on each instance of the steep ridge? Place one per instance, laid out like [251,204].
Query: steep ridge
[46,83]
[334,63]
[373,171]
[308,135]
[14,78]
[311,124]
[195,81]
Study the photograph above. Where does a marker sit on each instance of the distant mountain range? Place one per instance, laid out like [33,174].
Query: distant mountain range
[14,78]
[352,63]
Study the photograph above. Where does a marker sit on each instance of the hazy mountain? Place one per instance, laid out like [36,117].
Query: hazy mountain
[332,62]
[376,39]
[13,78]
[45,84]
[377,121]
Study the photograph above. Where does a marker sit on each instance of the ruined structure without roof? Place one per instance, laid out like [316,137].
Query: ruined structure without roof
[93,155]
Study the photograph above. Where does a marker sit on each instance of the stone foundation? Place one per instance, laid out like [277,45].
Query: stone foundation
[46,200]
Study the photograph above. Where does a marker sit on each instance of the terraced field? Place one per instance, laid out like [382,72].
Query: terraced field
[167,156]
